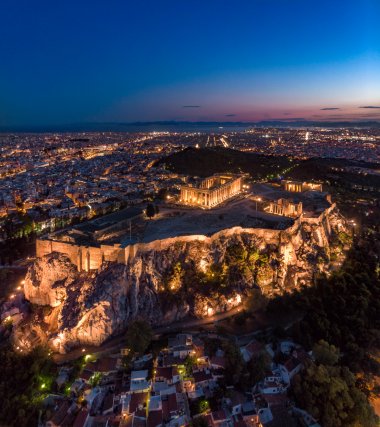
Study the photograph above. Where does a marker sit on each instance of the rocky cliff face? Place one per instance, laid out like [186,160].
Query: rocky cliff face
[48,280]
[190,277]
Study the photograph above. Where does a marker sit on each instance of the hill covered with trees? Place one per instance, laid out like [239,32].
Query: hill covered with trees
[207,161]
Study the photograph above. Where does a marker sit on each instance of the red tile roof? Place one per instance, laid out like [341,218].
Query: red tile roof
[80,418]
[239,421]
[169,405]
[201,376]
[61,413]
[292,364]
[219,415]
[209,420]
[154,418]
[166,373]
[105,364]
[86,374]
[136,400]
[218,361]
[276,399]
[254,347]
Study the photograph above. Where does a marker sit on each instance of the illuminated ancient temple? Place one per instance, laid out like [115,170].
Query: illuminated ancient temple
[211,191]
[299,186]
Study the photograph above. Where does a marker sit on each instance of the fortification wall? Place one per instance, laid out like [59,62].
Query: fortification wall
[91,258]
[45,247]
[270,236]
[84,257]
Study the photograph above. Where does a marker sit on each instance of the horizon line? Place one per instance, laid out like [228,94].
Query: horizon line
[296,121]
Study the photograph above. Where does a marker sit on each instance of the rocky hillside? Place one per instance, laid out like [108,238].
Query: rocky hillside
[195,278]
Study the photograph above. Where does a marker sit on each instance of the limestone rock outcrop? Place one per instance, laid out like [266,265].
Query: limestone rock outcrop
[188,276]
[47,281]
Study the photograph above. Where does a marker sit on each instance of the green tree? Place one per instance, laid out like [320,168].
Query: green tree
[95,379]
[139,335]
[203,406]
[127,360]
[325,353]
[150,211]
[24,382]
[234,362]
[189,364]
[257,367]
[329,393]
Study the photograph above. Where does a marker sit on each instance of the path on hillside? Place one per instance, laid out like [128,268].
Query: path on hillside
[117,343]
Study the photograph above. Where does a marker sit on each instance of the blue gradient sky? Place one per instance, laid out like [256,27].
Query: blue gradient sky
[75,61]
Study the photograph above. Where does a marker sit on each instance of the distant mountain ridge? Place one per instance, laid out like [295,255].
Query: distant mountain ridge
[182,126]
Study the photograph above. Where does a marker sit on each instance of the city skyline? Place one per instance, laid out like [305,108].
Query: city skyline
[276,60]
[189,213]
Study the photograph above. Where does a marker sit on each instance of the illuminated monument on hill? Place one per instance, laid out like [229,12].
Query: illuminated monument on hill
[211,191]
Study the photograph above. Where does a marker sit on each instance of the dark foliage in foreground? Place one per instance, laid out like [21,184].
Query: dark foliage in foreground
[330,394]
[22,381]
[343,310]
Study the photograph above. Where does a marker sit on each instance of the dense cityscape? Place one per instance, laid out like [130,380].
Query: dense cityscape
[226,361]
[189,213]
[55,179]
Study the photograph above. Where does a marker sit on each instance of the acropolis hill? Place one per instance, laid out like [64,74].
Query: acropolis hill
[186,261]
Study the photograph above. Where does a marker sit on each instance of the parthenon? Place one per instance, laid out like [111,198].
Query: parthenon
[211,191]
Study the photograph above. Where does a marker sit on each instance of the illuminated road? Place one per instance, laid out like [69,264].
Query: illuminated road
[224,141]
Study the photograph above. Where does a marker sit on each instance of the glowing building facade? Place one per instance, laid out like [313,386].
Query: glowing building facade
[299,186]
[211,191]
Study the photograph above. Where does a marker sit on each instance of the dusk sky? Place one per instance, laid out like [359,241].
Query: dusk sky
[105,61]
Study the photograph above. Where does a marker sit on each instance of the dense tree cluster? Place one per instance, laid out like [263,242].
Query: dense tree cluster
[138,338]
[151,210]
[329,392]
[234,370]
[342,309]
[342,316]
[24,381]
[207,161]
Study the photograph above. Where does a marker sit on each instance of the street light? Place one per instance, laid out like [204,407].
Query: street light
[258,199]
